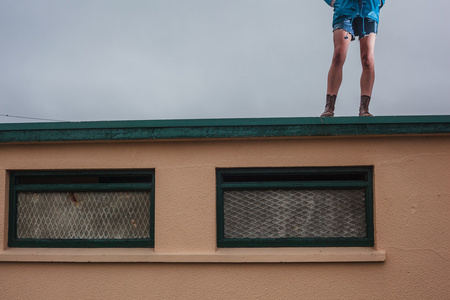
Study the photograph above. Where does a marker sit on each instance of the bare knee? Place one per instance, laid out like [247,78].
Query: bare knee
[339,57]
[367,61]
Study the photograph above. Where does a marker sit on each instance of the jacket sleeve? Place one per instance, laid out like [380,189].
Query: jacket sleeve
[382,3]
[329,2]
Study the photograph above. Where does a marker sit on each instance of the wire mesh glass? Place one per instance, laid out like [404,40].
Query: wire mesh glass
[256,214]
[83,215]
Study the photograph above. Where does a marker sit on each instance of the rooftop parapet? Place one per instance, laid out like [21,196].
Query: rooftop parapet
[223,128]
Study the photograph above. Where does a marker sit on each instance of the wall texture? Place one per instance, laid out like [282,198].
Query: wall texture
[411,198]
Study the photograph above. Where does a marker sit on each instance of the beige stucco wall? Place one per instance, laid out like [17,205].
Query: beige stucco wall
[412,220]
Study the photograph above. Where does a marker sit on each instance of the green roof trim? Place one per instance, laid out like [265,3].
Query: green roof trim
[222,128]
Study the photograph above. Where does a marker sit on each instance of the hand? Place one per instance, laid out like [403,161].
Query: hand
[332,2]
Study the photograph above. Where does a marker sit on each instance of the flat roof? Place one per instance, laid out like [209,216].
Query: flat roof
[222,128]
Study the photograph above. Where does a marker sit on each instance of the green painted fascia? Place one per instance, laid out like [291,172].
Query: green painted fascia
[222,128]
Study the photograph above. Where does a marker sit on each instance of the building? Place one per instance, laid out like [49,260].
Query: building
[378,209]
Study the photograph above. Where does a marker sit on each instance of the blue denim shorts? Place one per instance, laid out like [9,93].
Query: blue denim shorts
[357,27]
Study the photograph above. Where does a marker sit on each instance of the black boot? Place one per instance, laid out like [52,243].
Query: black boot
[364,107]
[329,106]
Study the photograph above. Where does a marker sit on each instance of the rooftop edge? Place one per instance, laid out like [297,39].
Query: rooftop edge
[222,128]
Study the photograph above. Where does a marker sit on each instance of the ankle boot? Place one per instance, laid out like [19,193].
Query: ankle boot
[364,107]
[329,106]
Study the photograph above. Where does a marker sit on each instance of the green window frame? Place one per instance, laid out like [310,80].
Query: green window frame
[87,209]
[240,190]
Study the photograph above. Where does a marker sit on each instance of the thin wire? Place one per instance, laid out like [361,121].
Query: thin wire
[31,118]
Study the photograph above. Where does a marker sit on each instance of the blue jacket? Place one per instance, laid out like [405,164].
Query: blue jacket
[350,9]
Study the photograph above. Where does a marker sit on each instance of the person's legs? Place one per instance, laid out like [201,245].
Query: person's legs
[366,29]
[341,44]
[367,47]
[341,40]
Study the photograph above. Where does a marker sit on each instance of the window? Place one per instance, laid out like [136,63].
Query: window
[82,209]
[295,207]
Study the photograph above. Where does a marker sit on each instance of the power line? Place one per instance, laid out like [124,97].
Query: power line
[31,118]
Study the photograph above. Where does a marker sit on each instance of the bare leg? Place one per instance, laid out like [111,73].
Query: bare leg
[341,45]
[367,47]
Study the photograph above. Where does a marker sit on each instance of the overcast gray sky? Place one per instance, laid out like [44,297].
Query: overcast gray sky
[80,60]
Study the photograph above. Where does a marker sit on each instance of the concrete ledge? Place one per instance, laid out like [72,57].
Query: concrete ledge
[235,255]
[222,128]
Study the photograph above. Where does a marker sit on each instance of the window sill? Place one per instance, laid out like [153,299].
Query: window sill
[235,255]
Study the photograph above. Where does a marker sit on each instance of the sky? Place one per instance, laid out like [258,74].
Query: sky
[92,60]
